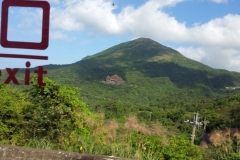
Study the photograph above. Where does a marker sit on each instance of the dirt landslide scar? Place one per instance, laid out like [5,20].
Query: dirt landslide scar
[4,42]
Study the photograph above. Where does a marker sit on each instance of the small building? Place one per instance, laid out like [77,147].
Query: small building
[115,79]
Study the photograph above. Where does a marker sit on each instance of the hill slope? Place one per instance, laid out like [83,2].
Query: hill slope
[153,74]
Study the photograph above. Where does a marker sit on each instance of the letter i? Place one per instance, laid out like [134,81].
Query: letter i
[27,73]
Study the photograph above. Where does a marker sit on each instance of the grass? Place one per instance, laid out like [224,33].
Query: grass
[39,143]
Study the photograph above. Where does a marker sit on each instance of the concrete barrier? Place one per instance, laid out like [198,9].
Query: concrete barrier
[8,152]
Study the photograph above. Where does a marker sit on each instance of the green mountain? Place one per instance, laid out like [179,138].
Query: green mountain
[161,88]
[153,74]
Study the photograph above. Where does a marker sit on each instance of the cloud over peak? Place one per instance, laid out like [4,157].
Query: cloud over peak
[213,38]
[219,1]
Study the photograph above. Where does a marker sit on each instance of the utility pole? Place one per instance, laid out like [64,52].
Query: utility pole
[204,124]
[196,123]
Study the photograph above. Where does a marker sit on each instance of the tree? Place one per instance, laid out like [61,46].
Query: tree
[53,113]
[11,102]
[179,148]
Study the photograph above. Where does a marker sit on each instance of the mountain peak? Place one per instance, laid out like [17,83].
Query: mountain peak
[143,40]
[137,49]
[146,67]
[146,42]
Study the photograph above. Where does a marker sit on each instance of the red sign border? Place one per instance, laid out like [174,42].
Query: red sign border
[45,24]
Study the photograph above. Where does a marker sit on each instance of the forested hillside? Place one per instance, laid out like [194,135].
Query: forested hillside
[53,117]
[153,74]
[141,117]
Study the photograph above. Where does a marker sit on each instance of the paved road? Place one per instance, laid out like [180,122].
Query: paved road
[8,152]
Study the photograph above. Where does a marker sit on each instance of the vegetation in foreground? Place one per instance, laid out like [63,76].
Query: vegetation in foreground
[53,117]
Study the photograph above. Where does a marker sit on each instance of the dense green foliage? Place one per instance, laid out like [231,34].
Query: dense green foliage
[53,113]
[50,113]
[153,74]
[53,117]
[12,102]
[141,119]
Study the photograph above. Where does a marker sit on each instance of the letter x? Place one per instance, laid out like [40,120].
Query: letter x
[11,76]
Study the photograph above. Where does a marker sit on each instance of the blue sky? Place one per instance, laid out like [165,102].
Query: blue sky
[207,31]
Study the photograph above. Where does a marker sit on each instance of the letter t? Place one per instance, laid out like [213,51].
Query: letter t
[40,73]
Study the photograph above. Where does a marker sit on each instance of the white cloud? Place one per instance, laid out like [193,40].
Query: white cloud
[217,41]
[26,17]
[234,63]
[57,35]
[24,24]
[148,20]
[221,32]
[219,1]
[77,15]
[52,1]
[217,58]
[193,53]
